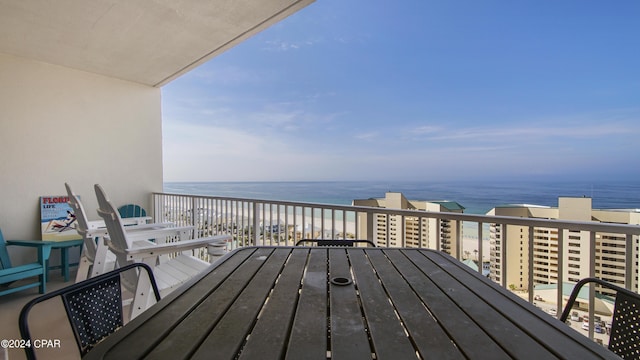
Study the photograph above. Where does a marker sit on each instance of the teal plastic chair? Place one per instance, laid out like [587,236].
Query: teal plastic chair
[10,274]
[131,210]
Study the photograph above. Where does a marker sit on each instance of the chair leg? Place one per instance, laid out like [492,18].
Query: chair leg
[83,269]
[142,297]
[43,282]
[100,260]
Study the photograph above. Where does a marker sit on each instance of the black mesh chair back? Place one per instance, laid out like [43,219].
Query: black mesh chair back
[95,311]
[93,307]
[625,325]
[333,242]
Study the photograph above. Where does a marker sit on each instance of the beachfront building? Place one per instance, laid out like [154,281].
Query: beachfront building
[610,249]
[428,233]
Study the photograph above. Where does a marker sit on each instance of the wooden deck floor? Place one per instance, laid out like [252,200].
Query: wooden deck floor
[52,323]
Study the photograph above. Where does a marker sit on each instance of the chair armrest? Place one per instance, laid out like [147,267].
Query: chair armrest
[158,233]
[96,224]
[154,226]
[135,220]
[44,247]
[128,222]
[581,283]
[172,247]
[101,232]
[96,232]
[30,243]
[138,244]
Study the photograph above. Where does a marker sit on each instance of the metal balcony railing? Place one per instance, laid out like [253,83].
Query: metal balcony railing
[270,222]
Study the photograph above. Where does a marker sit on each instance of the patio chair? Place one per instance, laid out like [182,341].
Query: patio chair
[10,274]
[96,258]
[131,210]
[625,337]
[132,247]
[94,307]
[332,242]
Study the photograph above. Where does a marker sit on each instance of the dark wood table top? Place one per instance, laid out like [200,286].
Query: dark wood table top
[344,303]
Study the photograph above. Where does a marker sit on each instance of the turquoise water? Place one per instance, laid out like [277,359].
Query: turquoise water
[476,197]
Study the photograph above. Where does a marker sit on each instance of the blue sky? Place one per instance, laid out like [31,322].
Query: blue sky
[416,90]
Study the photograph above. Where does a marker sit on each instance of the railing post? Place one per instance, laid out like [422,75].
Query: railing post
[387,228]
[531,281]
[256,223]
[480,258]
[503,256]
[458,239]
[402,232]
[560,267]
[194,218]
[592,254]
[438,232]
[154,205]
[369,226]
[631,267]
[592,287]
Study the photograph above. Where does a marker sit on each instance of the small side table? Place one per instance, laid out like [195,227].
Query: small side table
[64,247]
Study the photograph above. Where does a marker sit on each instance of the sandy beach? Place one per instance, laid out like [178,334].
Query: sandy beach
[305,229]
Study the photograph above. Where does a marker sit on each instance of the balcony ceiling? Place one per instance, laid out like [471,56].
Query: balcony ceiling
[144,41]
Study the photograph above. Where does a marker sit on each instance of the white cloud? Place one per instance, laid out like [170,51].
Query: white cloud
[515,133]
[281,45]
[229,138]
[427,129]
[276,116]
[213,153]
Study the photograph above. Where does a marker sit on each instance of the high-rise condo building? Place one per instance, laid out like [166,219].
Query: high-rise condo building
[510,244]
[428,233]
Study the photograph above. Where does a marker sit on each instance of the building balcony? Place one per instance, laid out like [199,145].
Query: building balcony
[356,222]
[297,220]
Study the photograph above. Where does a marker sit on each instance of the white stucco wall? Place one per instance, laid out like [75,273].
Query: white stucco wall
[61,125]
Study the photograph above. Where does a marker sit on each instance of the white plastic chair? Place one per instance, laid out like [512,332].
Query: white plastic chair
[96,258]
[132,247]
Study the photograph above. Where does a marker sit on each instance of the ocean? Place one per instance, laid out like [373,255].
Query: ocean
[476,197]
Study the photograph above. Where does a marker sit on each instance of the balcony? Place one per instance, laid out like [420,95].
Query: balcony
[141,117]
[239,217]
[266,222]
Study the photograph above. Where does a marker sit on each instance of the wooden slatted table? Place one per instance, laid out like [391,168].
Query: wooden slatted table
[344,303]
